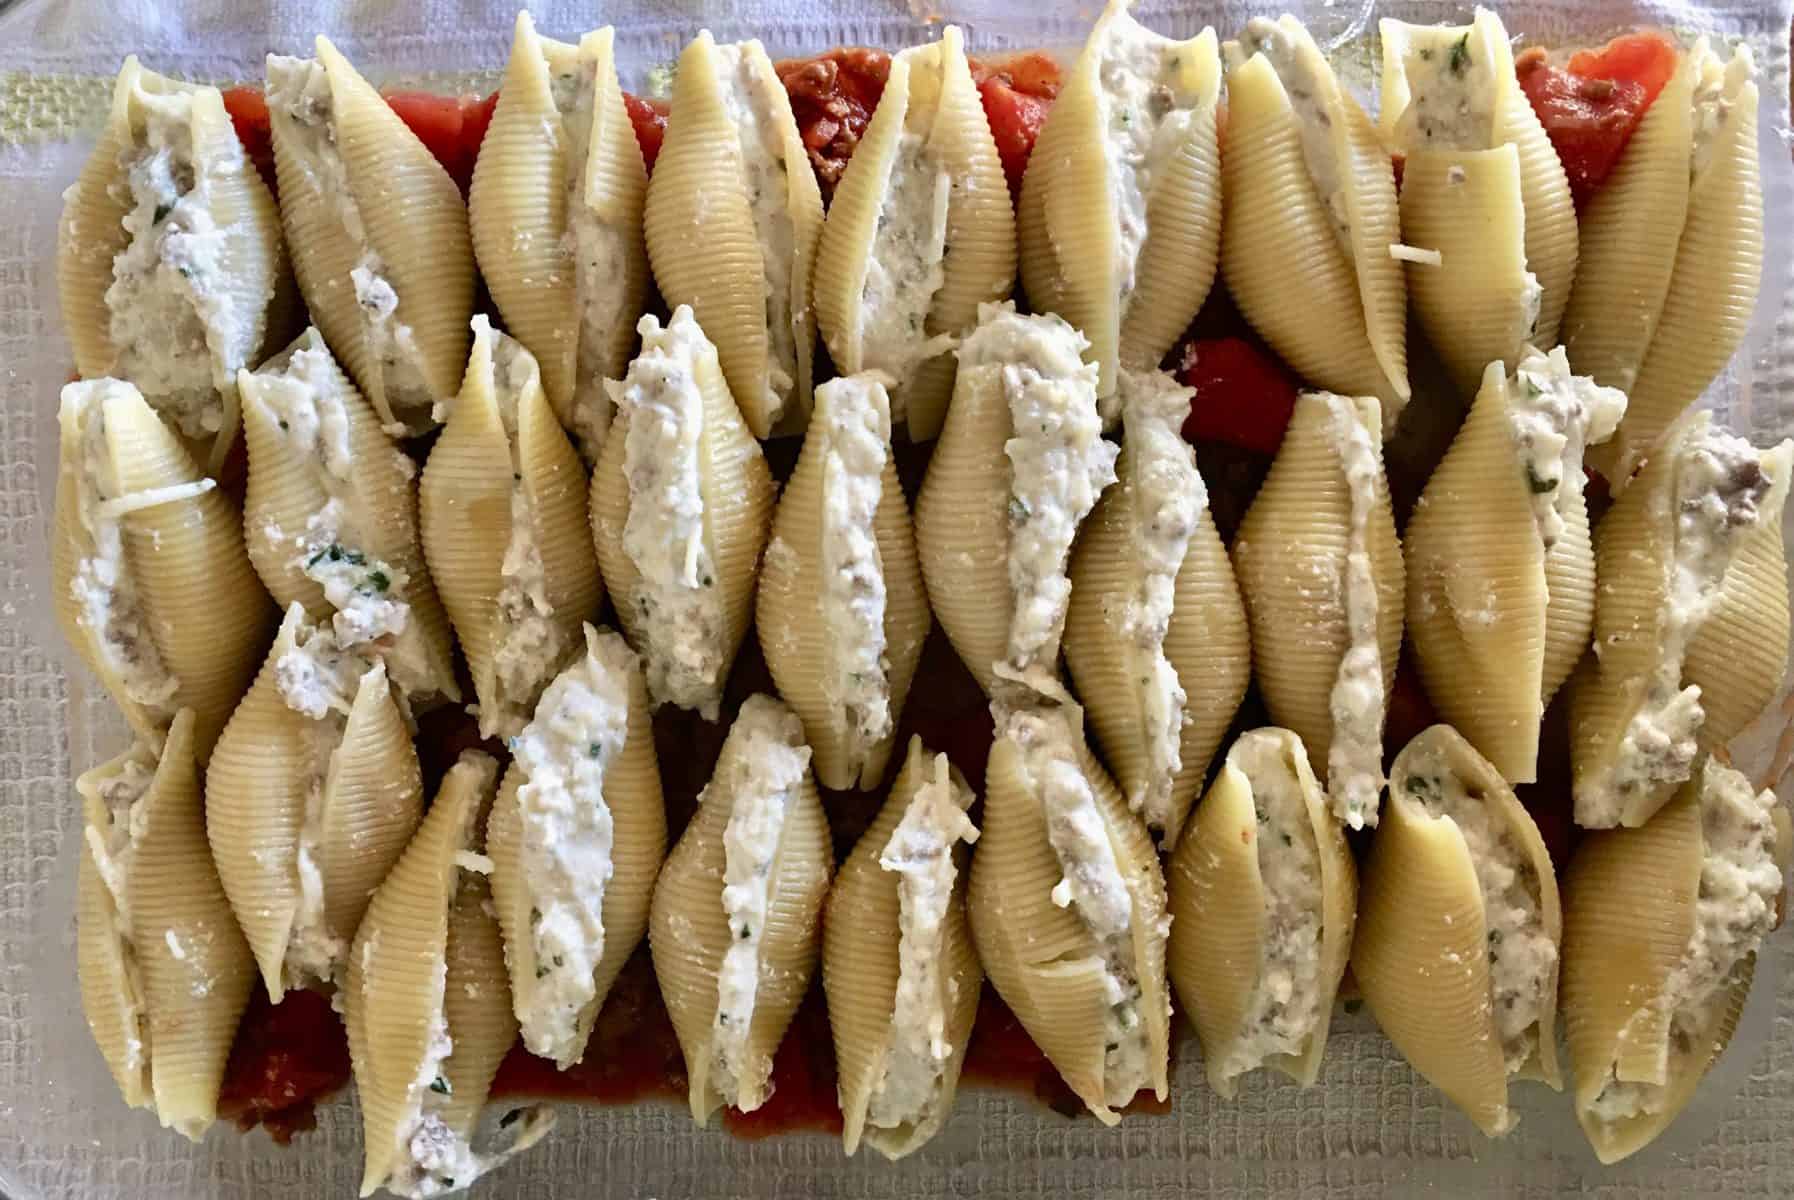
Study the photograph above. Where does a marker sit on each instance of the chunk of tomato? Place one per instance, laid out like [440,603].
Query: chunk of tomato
[1591,109]
[1017,92]
[450,127]
[650,120]
[1243,398]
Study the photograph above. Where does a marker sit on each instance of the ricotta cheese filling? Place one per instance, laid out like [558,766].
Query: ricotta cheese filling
[299,89]
[920,853]
[1522,958]
[1092,883]
[1451,90]
[852,421]
[678,605]
[1146,119]
[114,848]
[762,781]
[1166,496]
[757,118]
[170,316]
[1719,485]
[1357,701]
[1716,99]
[1553,417]
[566,835]
[1285,1004]
[1058,466]
[1734,911]
[1312,92]
[906,265]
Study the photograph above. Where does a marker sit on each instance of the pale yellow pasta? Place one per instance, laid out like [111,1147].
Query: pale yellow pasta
[164,971]
[555,211]
[311,795]
[1263,896]
[1320,571]
[732,217]
[734,921]
[1459,927]
[924,178]
[1155,634]
[576,837]
[1500,570]
[1712,291]
[501,509]
[1309,195]
[1691,621]
[1661,928]
[898,966]
[1120,212]
[840,608]
[1067,906]
[169,259]
[150,581]
[427,1005]
[330,517]
[378,233]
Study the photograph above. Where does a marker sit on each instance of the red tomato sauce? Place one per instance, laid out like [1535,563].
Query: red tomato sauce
[1591,107]
[1244,396]
[832,96]
[1017,92]
[649,117]
[288,1058]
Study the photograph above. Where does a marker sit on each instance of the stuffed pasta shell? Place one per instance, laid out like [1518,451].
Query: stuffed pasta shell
[1067,905]
[576,837]
[898,966]
[732,217]
[840,609]
[1320,571]
[734,920]
[1482,186]
[1459,928]
[152,586]
[501,508]
[555,211]
[1691,624]
[311,795]
[379,235]
[1309,195]
[169,257]
[1020,464]
[1661,931]
[1263,896]
[1155,634]
[330,517]
[920,233]
[1120,211]
[681,505]
[1501,572]
[427,1005]
[164,971]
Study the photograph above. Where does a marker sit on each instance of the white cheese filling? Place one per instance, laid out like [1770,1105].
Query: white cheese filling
[1058,466]
[1285,1004]
[1312,92]
[566,835]
[1716,99]
[114,848]
[1734,911]
[1146,118]
[762,781]
[758,119]
[906,265]
[920,853]
[1092,884]
[1719,485]
[1553,417]
[1358,698]
[679,607]
[852,422]
[299,89]
[1451,89]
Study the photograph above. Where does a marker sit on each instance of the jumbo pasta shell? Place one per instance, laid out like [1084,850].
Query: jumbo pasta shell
[926,154]
[1222,922]
[325,487]
[379,235]
[501,509]
[151,583]
[555,211]
[748,277]
[864,932]
[169,261]
[805,605]
[691,933]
